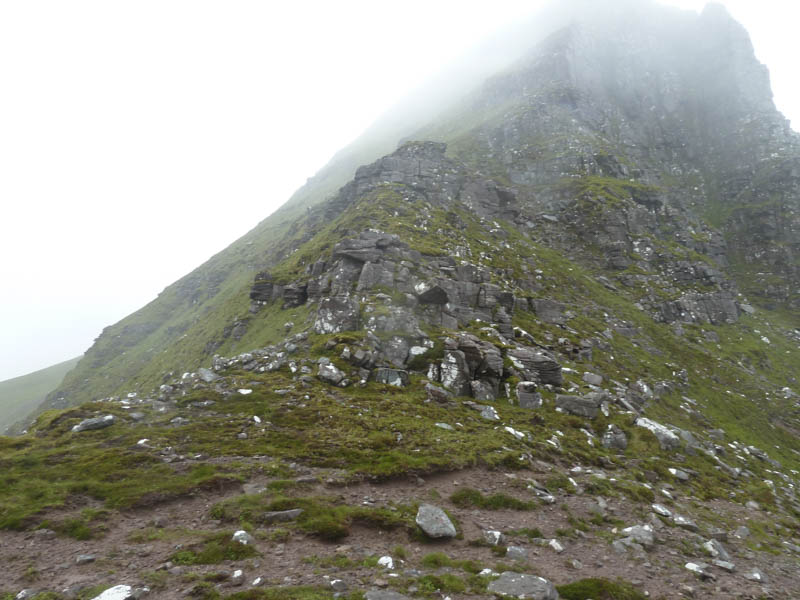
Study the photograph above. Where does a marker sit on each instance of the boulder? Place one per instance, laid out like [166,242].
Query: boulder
[482,390]
[666,438]
[96,423]
[536,364]
[330,374]
[582,406]
[437,394]
[434,522]
[395,350]
[593,378]
[614,438]
[641,534]
[243,538]
[207,375]
[523,587]
[527,395]
[118,592]
[394,377]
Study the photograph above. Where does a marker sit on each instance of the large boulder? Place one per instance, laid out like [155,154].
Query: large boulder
[523,587]
[536,364]
[527,395]
[434,522]
[581,406]
[666,437]
[614,438]
[329,373]
[96,423]
[394,377]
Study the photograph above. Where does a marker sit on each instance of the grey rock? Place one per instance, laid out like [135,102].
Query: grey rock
[523,587]
[434,522]
[582,406]
[667,439]
[494,537]
[118,592]
[431,292]
[96,423]
[725,565]
[685,523]
[756,575]
[393,377]
[336,314]
[455,373]
[516,553]
[482,390]
[207,375]
[281,516]
[593,379]
[536,364]
[641,534]
[329,373]
[243,538]
[395,350]
[614,438]
[527,395]
[700,569]
[717,550]
[384,595]
[741,532]
[437,394]
[85,559]
[680,474]
[489,413]
[237,577]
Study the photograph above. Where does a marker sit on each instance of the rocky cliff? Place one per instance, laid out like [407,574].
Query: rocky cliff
[576,291]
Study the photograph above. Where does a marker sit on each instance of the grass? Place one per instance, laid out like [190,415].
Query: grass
[213,550]
[20,396]
[322,517]
[599,589]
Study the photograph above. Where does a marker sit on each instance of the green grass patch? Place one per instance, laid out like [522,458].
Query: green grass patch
[599,589]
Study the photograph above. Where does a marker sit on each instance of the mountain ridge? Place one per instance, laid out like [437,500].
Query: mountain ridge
[576,291]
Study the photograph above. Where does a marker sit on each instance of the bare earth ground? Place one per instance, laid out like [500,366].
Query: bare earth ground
[30,561]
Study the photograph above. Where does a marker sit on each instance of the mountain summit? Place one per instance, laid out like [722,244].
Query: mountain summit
[565,310]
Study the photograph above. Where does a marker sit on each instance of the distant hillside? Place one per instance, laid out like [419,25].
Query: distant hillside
[21,395]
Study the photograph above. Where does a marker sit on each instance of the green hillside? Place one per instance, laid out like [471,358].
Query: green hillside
[20,396]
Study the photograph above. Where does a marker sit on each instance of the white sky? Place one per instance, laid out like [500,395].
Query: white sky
[138,138]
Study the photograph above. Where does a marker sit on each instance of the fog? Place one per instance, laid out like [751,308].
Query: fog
[138,139]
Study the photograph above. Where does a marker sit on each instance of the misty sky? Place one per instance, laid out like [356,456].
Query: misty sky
[139,138]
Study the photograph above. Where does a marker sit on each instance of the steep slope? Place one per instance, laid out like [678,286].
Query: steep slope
[565,312]
[20,396]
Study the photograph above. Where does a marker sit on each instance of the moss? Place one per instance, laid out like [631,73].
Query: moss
[321,517]
[599,589]
[214,550]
